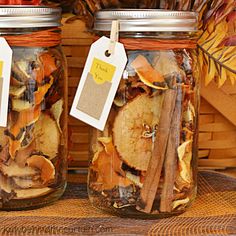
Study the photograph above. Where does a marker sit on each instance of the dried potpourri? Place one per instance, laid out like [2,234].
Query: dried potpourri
[30,146]
[142,161]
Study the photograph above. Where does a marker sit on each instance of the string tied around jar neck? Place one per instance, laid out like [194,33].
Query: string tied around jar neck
[43,38]
[156,44]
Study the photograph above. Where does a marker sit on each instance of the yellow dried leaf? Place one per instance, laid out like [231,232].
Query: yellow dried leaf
[222,78]
[211,72]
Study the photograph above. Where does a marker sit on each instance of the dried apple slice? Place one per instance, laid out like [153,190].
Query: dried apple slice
[185,157]
[56,110]
[14,170]
[189,114]
[134,178]
[26,183]
[44,165]
[31,193]
[180,202]
[24,153]
[147,74]
[47,136]
[166,64]
[17,91]
[19,70]
[20,105]
[134,130]
[5,184]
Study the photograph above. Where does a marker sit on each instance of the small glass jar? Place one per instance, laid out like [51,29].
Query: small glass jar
[33,146]
[144,163]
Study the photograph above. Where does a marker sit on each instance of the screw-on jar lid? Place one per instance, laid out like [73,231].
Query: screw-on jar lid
[29,17]
[147,20]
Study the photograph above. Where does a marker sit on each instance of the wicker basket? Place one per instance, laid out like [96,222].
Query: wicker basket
[217,140]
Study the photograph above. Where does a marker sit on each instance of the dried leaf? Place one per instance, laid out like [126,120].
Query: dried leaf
[217,43]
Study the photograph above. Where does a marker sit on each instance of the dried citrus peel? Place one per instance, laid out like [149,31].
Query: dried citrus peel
[21,105]
[25,118]
[56,110]
[41,92]
[48,62]
[147,74]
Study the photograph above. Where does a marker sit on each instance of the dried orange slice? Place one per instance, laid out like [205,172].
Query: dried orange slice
[134,130]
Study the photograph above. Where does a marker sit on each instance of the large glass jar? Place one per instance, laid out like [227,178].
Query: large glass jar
[143,164]
[33,146]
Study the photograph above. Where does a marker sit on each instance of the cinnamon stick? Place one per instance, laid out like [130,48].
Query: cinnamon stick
[170,165]
[152,179]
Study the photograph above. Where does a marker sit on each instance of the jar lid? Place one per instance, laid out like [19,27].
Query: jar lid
[147,20]
[29,16]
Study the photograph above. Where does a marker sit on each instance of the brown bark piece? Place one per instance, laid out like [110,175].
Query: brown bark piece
[151,183]
[170,167]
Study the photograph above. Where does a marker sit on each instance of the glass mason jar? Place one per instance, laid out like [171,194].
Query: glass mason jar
[33,146]
[144,162]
